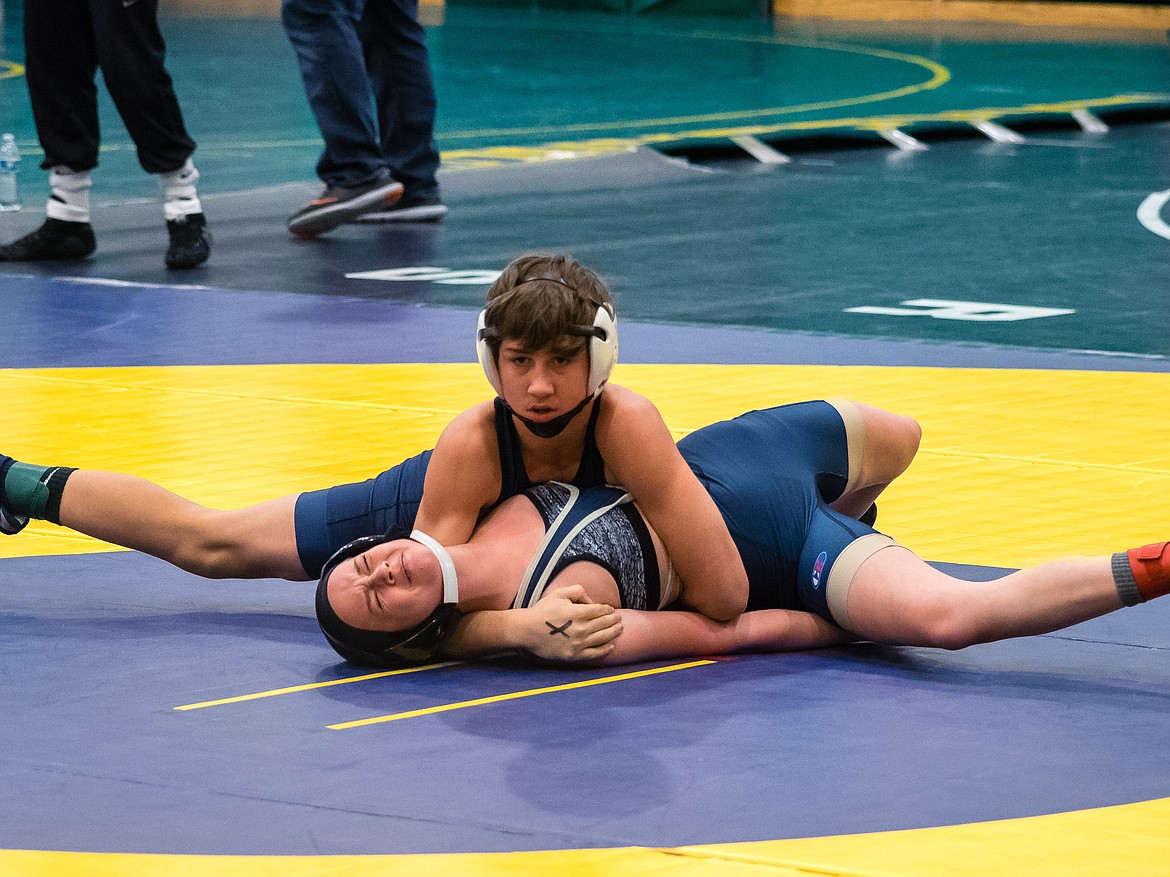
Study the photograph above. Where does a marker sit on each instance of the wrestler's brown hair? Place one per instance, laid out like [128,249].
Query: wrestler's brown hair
[537,300]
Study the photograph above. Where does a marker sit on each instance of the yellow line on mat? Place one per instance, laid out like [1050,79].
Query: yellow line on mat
[310,686]
[481,701]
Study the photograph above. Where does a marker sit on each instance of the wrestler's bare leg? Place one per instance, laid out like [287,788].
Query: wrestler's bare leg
[895,597]
[881,447]
[254,542]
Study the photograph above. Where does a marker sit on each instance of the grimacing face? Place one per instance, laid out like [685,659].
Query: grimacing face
[393,586]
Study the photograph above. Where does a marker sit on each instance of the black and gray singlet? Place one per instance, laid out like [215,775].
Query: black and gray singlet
[600,525]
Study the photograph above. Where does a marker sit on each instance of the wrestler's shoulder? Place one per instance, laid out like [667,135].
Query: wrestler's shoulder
[623,402]
[474,427]
[630,420]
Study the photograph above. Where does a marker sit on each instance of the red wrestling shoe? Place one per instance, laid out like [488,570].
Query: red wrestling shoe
[1150,565]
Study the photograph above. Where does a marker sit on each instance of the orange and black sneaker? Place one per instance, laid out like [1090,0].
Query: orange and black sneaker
[338,204]
[412,207]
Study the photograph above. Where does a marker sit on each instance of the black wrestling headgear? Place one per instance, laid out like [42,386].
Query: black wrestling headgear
[378,648]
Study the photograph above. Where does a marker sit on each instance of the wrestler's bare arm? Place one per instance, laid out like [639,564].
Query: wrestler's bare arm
[463,477]
[641,455]
[669,634]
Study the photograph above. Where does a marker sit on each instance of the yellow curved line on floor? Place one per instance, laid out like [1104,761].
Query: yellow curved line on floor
[1128,840]
[10,69]
[1016,466]
[939,75]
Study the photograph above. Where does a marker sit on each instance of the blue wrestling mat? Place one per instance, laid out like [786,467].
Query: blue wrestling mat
[1006,293]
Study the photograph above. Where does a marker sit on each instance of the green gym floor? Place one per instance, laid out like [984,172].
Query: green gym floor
[970,219]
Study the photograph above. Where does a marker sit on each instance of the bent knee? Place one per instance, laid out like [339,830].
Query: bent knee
[951,628]
[902,436]
[886,444]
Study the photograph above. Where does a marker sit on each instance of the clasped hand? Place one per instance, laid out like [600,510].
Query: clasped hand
[565,625]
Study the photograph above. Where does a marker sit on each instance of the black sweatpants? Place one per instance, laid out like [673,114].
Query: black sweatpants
[65,42]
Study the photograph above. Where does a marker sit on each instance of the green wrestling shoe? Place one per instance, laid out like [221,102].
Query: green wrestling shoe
[11,523]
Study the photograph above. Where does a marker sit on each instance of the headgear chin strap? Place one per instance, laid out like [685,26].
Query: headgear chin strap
[382,649]
[603,349]
[550,428]
[446,564]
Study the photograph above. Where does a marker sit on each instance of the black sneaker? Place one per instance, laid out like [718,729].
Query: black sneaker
[55,240]
[337,205]
[412,208]
[190,241]
[11,523]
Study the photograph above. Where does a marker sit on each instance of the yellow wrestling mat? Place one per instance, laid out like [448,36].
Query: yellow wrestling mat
[1016,467]
[1126,841]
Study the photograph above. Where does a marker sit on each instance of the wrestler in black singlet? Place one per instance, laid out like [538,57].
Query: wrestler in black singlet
[514,475]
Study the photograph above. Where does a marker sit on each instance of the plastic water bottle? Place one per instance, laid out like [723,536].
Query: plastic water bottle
[9,165]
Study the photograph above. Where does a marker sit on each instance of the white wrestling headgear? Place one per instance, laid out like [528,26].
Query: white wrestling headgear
[603,349]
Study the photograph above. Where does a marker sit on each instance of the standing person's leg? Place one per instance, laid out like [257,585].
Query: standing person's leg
[325,35]
[60,67]
[132,56]
[895,597]
[399,68]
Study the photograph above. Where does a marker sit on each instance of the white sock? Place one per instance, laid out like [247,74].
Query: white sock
[69,195]
[180,198]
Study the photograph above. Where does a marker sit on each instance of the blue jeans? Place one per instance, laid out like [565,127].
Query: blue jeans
[368,80]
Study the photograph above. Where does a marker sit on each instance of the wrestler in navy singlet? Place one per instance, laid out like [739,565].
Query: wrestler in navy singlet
[771,473]
[327,519]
